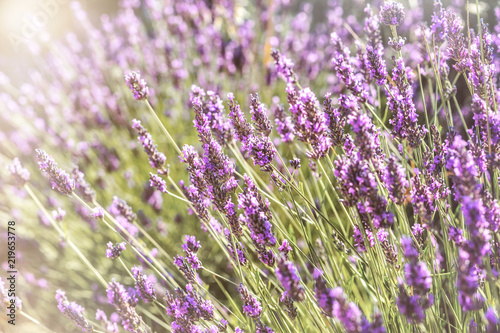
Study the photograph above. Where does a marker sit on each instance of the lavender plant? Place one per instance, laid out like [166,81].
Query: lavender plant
[326,174]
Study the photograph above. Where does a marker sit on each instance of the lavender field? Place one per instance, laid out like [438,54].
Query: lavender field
[207,166]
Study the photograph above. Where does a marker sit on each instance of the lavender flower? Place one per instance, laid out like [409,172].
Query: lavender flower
[114,251]
[251,306]
[120,299]
[82,186]
[137,85]
[156,158]
[457,46]
[158,182]
[21,175]
[395,181]
[256,214]
[335,304]
[73,311]
[110,326]
[290,309]
[284,67]
[60,179]
[143,285]
[98,213]
[284,124]
[400,101]
[290,280]
[392,13]
[242,128]
[186,309]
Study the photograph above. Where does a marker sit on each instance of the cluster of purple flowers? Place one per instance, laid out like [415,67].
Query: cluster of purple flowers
[73,311]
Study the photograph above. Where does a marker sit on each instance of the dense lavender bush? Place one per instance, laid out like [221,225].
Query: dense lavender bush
[227,166]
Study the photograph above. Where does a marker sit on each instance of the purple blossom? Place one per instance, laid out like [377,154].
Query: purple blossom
[242,128]
[284,124]
[73,311]
[261,121]
[334,303]
[158,182]
[284,67]
[257,215]
[395,181]
[187,308]
[251,306]
[290,280]
[59,179]
[143,285]
[121,300]
[114,251]
[400,101]
[137,85]
[110,326]
[285,248]
[82,187]
[156,158]
[124,215]
[392,13]
[21,175]
[98,213]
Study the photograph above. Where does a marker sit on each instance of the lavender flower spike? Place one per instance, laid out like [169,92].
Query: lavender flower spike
[73,311]
[120,299]
[158,182]
[392,13]
[114,251]
[156,158]
[137,85]
[21,175]
[143,285]
[60,179]
[290,280]
[252,306]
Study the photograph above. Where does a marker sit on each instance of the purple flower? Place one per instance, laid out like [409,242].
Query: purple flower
[257,215]
[73,311]
[395,180]
[290,280]
[124,215]
[334,303]
[82,187]
[284,67]
[410,307]
[376,326]
[60,179]
[143,285]
[98,213]
[285,248]
[284,124]
[400,102]
[186,308]
[261,121]
[396,44]
[158,182]
[392,13]
[114,251]
[21,175]
[376,64]
[251,306]
[137,85]
[309,120]
[156,158]
[110,326]
[242,128]
[121,300]
[457,46]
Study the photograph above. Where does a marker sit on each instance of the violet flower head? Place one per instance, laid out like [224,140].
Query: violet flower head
[375,326]
[82,187]
[20,174]
[59,179]
[257,215]
[457,46]
[114,251]
[143,285]
[156,158]
[285,248]
[98,213]
[110,326]
[284,124]
[410,307]
[290,280]
[120,299]
[396,44]
[261,121]
[461,165]
[392,13]
[137,85]
[158,182]
[242,128]
[251,306]
[376,64]
[284,67]
[334,303]
[395,180]
[73,311]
